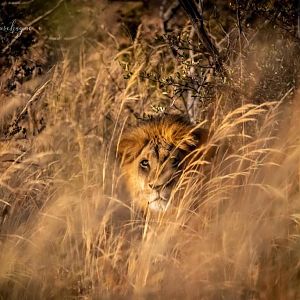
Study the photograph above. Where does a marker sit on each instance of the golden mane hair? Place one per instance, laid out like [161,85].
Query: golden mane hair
[174,130]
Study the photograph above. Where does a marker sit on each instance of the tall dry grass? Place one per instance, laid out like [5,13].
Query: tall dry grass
[68,229]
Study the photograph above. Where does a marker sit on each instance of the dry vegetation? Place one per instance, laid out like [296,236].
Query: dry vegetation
[68,229]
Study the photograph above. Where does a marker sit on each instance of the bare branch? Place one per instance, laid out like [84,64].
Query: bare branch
[169,13]
[196,18]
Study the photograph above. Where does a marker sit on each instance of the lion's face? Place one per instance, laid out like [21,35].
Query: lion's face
[153,174]
[153,158]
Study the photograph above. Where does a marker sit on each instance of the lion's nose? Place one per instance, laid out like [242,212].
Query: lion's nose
[155,186]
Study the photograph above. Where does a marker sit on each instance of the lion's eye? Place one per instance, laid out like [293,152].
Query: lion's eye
[175,161]
[144,163]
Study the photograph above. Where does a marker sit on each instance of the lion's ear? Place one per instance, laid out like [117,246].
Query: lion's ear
[189,138]
[194,138]
[129,147]
[200,136]
[198,142]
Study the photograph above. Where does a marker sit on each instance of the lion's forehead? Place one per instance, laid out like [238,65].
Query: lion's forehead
[161,149]
[161,142]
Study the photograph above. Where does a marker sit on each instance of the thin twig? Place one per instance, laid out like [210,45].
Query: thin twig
[287,93]
[190,101]
[47,13]
[70,38]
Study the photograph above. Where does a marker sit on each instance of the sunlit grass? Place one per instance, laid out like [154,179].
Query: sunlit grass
[69,228]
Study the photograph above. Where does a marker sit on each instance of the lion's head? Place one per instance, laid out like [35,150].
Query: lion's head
[153,156]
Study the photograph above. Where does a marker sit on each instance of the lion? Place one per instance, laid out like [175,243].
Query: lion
[153,156]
